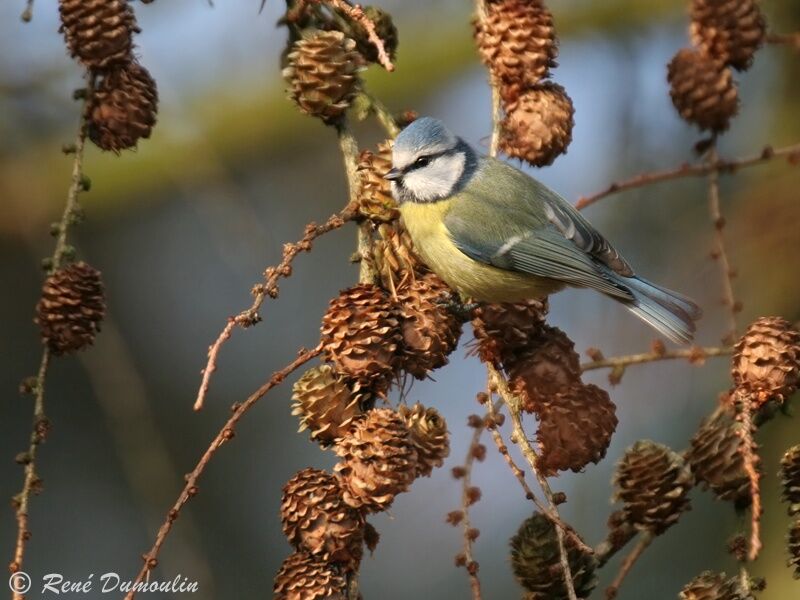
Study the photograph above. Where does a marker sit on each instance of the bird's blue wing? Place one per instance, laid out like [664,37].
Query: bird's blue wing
[542,251]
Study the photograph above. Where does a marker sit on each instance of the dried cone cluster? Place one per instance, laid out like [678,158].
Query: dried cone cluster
[790,479]
[123,108]
[429,328]
[384,28]
[713,586]
[725,34]
[326,403]
[538,124]
[99,33]
[375,201]
[535,560]
[322,74]
[766,364]
[575,429]
[517,40]
[379,460]
[576,421]
[71,308]
[361,335]
[793,545]
[729,30]
[652,481]
[316,519]
[702,89]
[305,577]
[429,435]
[395,260]
[716,460]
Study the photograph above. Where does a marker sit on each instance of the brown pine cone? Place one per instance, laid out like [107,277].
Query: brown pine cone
[384,27]
[713,586]
[793,545]
[326,403]
[322,74]
[361,335]
[536,562]
[379,460]
[375,201]
[71,308]
[517,41]
[548,367]
[429,435]
[716,461]
[575,429]
[653,482]
[503,331]
[394,257]
[538,125]
[766,364]
[430,329]
[99,33]
[728,30]
[702,89]
[316,519]
[790,479]
[306,577]
[123,108]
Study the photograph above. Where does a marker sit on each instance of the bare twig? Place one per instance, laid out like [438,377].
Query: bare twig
[695,355]
[719,253]
[357,14]
[32,483]
[383,114]
[469,496]
[787,39]
[723,166]
[521,440]
[226,433]
[627,565]
[749,453]
[520,475]
[272,276]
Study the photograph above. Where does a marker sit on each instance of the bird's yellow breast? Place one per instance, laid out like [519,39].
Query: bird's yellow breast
[472,279]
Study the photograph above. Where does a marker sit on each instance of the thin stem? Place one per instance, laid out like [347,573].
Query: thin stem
[467,499]
[357,14]
[268,289]
[496,116]
[719,253]
[383,114]
[791,153]
[225,434]
[32,483]
[521,440]
[502,448]
[695,355]
[749,453]
[787,39]
[627,565]
[349,148]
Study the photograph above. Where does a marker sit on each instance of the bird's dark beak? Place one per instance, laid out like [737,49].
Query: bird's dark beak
[393,174]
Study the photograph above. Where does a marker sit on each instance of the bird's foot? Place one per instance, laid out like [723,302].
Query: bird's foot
[459,308]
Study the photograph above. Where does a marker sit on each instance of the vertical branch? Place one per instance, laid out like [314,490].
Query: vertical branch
[349,148]
[32,484]
[749,453]
[496,114]
[521,439]
[627,565]
[719,253]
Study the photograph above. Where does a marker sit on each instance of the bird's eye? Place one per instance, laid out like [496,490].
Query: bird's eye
[422,161]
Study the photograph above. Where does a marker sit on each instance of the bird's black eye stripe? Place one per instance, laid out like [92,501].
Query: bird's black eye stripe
[423,161]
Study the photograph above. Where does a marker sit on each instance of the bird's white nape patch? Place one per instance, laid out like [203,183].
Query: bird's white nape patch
[436,180]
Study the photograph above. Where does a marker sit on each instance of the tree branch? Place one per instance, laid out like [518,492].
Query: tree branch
[226,433]
[695,354]
[39,430]
[791,153]
[627,565]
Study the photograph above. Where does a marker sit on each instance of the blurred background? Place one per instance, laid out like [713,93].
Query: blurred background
[184,226]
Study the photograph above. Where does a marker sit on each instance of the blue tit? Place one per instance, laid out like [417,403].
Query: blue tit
[495,234]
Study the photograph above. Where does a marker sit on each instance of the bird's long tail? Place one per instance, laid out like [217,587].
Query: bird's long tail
[670,313]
